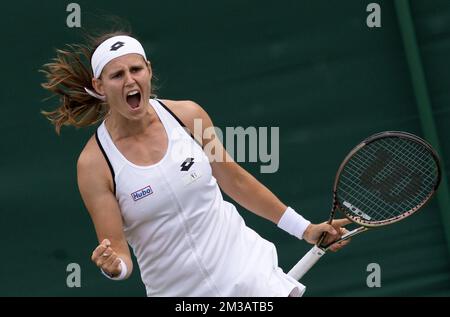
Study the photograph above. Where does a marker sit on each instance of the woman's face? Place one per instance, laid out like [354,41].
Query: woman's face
[125,81]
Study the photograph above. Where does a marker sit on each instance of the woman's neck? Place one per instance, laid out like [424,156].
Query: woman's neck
[120,127]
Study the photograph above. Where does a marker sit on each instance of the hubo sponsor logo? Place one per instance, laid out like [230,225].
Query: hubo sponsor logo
[142,193]
[255,145]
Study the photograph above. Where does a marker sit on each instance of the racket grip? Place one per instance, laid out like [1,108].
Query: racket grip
[308,260]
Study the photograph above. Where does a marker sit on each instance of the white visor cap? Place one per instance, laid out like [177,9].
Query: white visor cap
[112,48]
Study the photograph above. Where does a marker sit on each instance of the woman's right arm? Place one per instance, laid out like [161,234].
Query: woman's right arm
[95,185]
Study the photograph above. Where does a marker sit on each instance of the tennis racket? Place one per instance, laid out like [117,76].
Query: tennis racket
[385,179]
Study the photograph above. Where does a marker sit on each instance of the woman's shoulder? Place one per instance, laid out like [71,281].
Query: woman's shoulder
[184,109]
[181,105]
[93,173]
[90,157]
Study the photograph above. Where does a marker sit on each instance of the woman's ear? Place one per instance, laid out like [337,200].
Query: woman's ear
[97,84]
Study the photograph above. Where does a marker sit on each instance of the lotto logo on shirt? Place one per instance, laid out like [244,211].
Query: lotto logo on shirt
[142,193]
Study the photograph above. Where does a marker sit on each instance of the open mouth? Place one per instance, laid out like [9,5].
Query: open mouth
[134,99]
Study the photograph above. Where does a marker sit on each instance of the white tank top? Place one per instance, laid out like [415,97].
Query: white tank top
[187,240]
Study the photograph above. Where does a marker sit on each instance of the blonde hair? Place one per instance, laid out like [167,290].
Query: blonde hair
[67,75]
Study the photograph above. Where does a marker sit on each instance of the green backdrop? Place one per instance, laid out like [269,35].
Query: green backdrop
[312,68]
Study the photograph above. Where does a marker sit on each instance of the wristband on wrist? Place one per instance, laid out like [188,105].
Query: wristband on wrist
[293,223]
[122,275]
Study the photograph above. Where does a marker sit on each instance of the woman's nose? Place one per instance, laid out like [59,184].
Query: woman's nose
[129,80]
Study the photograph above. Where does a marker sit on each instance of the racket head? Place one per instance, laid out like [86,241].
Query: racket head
[386,178]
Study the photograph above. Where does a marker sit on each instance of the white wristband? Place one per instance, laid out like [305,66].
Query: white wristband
[122,275]
[293,223]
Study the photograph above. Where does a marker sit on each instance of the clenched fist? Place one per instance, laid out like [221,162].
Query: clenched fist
[106,259]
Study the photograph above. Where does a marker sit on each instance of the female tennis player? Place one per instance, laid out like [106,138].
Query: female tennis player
[147,182]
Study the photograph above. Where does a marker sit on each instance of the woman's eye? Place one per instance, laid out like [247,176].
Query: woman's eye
[136,69]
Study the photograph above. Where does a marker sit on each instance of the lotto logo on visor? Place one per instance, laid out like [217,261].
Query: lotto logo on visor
[117,45]
[142,193]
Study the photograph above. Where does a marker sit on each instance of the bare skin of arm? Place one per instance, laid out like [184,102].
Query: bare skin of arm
[96,189]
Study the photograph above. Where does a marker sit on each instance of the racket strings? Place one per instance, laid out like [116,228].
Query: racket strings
[375,212]
[391,180]
[395,177]
[417,163]
[381,211]
[365,204]
[354,190]
[387,178]
[416,153]
[413,159]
